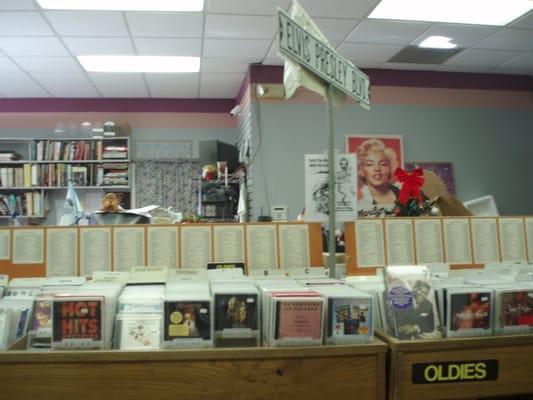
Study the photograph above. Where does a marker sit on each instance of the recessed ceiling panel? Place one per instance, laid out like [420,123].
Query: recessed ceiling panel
[87,23]
[363,52]
[182,86]
[509,39]
[119,85]
[240,26]
[336,29]
[462,35]
[17,5]
[220,86]
[387,32]
[482,58]
[23,23]
[6,65]
[230,48]
[247,7]
[48,64]
[225,65]
[19,84]
[66,84]
[165,24]
[338,8]
[168,47]
[422,55]
[99,46]
[32,46]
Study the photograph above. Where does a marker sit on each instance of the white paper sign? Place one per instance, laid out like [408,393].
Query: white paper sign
[317,192]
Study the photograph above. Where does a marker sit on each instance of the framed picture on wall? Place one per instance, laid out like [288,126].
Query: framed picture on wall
[378,156]
[443,170]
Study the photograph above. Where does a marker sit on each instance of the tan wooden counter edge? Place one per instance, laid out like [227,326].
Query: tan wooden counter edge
[418,345]
[375,347]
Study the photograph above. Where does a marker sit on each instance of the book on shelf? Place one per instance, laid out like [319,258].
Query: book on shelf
[24,204]
[9,155]
[74,150]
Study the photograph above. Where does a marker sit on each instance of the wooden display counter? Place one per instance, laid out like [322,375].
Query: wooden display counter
[356,372]
[459,368]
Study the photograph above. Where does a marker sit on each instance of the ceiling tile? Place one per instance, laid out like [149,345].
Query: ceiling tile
[509,39]
[525,22]
[409,66]
[523,61]
[273,50]
[173,85]
[6,65]
[512,71]
[99,46]
[462,35]
[369,64]
[165,24]
[387,32]
[481,58]
[119,85]
[339,8]
[220,86]
[67,84]
[23,23]
[240,26]
[87,23]
[225,65]
[247,7]
[464,68]
[19,84]
[336,29]
[273,61]
[17,5]
[48,64]
[229,48]
[32,46]
[168,47]
[362,52]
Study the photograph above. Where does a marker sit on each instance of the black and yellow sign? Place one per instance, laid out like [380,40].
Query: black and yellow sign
[455,372]
[225,266]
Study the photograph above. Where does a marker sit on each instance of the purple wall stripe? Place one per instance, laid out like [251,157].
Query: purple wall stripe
[117,105]
[426,79]
[268,74]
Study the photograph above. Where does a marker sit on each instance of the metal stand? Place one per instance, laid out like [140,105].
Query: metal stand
[331,183]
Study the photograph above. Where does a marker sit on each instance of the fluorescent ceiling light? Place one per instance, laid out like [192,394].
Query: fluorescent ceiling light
[124,5]
[155,64]
[477,12]
[438,42]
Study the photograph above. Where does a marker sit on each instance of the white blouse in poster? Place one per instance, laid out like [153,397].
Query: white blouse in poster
[317,192]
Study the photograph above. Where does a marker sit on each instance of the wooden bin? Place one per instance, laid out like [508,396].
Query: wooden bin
[459,368]
[347,372]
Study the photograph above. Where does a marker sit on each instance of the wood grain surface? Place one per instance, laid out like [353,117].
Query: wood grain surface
[356,372]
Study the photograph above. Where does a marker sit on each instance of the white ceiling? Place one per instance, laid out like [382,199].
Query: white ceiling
[38,48]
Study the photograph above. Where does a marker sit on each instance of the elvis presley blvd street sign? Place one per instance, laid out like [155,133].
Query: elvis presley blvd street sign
[298,44]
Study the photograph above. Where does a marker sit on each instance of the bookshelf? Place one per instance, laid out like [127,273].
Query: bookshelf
[30,168]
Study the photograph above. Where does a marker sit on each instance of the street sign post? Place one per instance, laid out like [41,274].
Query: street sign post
[304,48]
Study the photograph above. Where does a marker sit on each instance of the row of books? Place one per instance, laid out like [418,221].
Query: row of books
[185,312]
[24,204]
[54,175]
[9,155]
[75,150]
[413,303]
